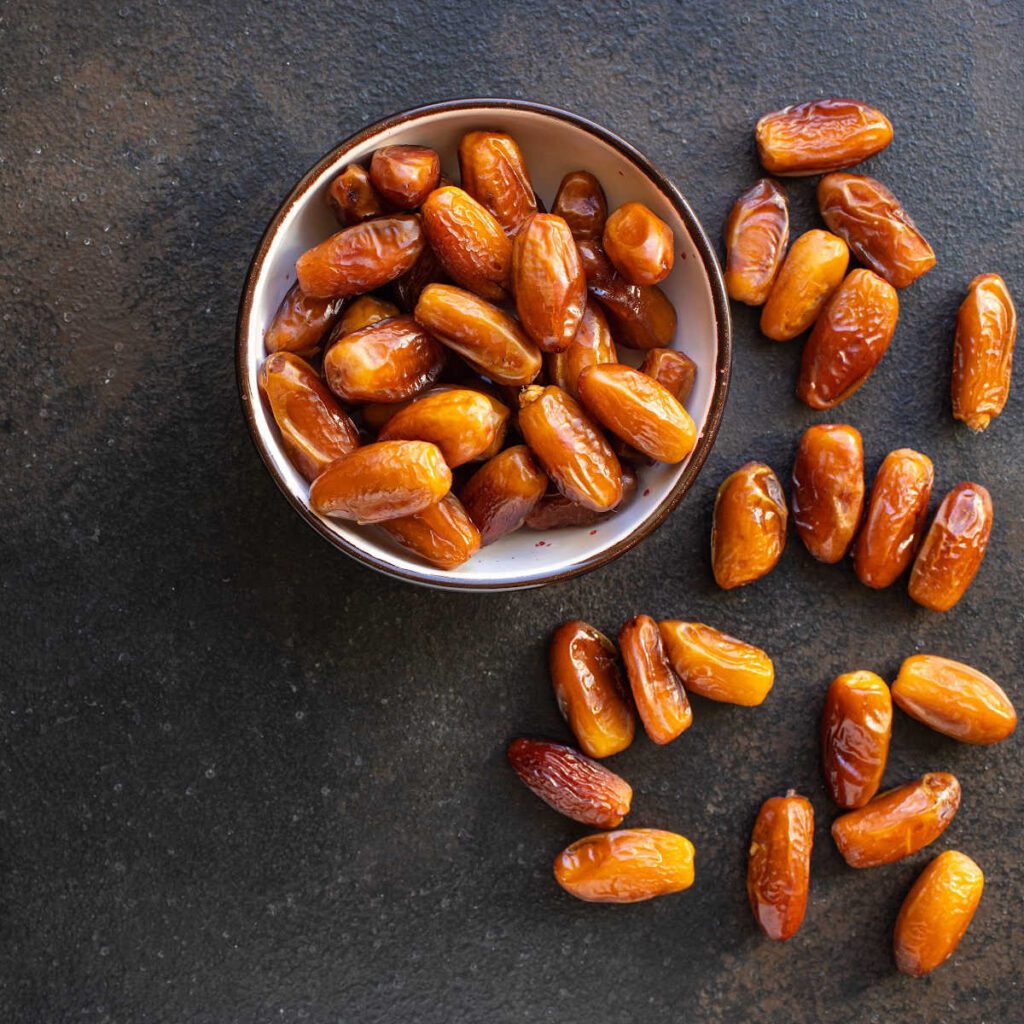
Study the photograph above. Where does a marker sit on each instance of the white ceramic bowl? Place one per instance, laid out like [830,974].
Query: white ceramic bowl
[554,143]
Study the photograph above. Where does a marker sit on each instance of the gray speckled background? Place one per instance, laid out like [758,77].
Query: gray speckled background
[246,780]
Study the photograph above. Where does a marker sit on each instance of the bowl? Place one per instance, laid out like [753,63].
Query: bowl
[554,142]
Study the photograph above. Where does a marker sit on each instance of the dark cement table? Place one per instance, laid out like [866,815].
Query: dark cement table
[246,780]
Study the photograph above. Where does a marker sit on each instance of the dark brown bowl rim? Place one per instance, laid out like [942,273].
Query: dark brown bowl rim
[711,268]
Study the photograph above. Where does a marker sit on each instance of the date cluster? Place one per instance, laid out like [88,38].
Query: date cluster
[852,315]
[663,663]
[447,365]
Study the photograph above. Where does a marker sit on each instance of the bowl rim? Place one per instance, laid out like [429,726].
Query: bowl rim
[712,270]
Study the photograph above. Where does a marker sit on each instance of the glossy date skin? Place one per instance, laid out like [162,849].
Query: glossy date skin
[657,692]
[570,783]
[581,202]
[672,369]
[464,424]
[812,271]
[363,312]
[570,448]
[353,198]
[828,489]
[485,336]
[426,270]
[878,230]
[954,699]
[986,332]
[894,524]
[953,549]
[936,913]
[638,410]
[779,864]
[641,316]
[748,530]
[756,236]
[555,511]
[626,866]
[820,136]
[639,244]
[715,665]
[503,492]
[592,344]
[382,481]
[405,175]
[361,258]
[547,280]
[589,690]
[469,243]
[494,173]
[856,726]
[315,430]
[899,822]
[388,361]
[442,534]
[301,323]
[848,340]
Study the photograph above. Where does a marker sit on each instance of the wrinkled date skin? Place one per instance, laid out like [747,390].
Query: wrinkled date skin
[426,270]
[382,481]
[388,361]
[494,173]
[464,424]
[487,338]
[581,202]
[659,696]
[591,345]
[570,448]
[756,235]
[779,864]
[366,310]
[300,323]
[442,534]
[588,689]
[626,866]
[813,270]
[503,492]
[639,244]
[572,784]
[856,725]
[848,340]
[875,226]
[715,665]
[954,699]
[748,531]
[361,258]
[828,489]
[353,198]
[899,822]
[986,331]
[405,175]
[673,370]
[314,428]
[555,511]
[638,410]
[548,281]
[895,519]
[820,136]
[953,549]
[936,913]
[470,244]
[642,317]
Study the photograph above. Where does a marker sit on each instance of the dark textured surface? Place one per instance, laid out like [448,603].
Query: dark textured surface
[244,779]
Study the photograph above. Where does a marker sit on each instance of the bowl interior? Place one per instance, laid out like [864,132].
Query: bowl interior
[552,147]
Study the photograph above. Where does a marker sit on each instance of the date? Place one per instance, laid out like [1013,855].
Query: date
[353,198]
[639,244]
[581,203]
[405,175]
[848,340]
[503,492]
[442,534]
[301,323]
[555,511]
[363,312]
[591,345]
[657,692]
[756,236]
[672,369]
[748,529]
[952,551]
[494,173]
